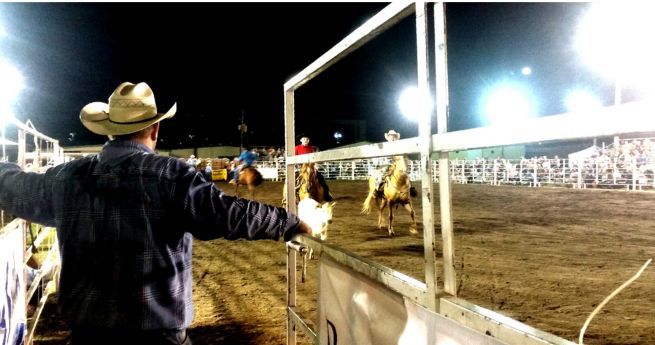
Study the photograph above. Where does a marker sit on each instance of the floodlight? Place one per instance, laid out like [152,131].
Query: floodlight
[526,70]
[614,39]
[412,103]
[11,83]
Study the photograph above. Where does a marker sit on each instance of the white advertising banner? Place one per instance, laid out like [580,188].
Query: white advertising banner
[12,287]
[356,310]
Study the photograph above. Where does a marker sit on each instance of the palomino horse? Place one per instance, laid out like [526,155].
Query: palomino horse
[395,191]
[310,187]
[312,207]
[307,185]
[250,177]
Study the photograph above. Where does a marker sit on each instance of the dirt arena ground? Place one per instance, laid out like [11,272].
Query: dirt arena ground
[546,257]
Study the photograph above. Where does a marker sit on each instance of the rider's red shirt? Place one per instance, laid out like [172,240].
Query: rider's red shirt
[302,149]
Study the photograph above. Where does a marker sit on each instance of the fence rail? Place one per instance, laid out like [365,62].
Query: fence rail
[631,173]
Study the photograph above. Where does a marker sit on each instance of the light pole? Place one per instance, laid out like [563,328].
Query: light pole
[242,129]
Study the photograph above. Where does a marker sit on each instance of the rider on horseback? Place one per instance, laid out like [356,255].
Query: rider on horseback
[246,159]
[304,148]
[391,135]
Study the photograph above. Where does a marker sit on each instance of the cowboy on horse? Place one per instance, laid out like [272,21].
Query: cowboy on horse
[304,148]
[246,159]
[391,135]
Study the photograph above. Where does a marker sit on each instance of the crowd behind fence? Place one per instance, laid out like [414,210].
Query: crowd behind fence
[601,171]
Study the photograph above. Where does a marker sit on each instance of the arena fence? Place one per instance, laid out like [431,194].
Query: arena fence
[30,256]
[602,172]
[621,119]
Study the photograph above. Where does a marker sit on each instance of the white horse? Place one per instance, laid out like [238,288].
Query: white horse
[317,216]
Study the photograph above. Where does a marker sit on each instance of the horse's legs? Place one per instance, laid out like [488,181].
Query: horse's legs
[391,232]
[236,189]
[410,209]
[383,204]
[251,189]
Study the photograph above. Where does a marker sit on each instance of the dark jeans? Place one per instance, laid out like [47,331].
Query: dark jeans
[106,336]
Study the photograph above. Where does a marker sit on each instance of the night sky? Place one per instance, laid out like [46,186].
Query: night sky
[217,60]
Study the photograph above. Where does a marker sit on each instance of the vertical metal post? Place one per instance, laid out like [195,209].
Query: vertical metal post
[291,293]
[445,199]
[21,148]
[4,144]
[425,148]
[534,172]
[635,171]
[289,124]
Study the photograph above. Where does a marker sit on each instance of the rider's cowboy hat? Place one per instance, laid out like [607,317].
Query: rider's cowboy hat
[392,135]
[131,108]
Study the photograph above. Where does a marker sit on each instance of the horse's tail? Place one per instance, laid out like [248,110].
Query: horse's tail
[366,206]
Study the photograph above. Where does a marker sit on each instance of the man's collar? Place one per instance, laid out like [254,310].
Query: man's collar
[127,144]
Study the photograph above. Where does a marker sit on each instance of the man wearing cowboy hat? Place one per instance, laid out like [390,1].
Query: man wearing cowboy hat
[125,219]
[304,148]
[391,135]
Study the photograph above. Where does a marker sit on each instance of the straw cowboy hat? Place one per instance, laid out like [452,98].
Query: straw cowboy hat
[131,108]
[392,135]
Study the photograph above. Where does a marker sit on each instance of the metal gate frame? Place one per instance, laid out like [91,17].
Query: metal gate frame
[614,120]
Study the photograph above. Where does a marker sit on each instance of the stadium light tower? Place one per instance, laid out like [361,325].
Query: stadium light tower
[614,39]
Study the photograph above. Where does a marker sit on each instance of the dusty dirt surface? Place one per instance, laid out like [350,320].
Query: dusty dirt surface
[546,257]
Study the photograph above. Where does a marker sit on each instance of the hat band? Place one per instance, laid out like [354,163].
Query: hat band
[132,122]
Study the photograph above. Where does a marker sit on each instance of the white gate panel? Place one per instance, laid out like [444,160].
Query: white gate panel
[356,310]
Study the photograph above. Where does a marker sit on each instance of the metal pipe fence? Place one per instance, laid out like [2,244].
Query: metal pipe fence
[630,173]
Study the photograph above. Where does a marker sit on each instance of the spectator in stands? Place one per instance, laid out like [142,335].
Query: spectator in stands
[304,148]
[208,169]
[192,161]
[125,220]
[246,159]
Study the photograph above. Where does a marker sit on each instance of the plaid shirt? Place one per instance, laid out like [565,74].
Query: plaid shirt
[125,220]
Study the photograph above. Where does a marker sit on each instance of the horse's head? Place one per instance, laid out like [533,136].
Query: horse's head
[399,165]
[317,216]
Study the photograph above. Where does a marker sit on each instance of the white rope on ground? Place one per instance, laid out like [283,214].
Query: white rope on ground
[608,298]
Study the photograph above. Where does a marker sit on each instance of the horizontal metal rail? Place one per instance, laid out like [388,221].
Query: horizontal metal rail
[383,20]
[399,282]
[497,325]
[303,325]
[635,117]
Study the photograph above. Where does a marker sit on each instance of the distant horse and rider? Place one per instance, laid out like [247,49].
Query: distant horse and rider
[393,189]
[246,174]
